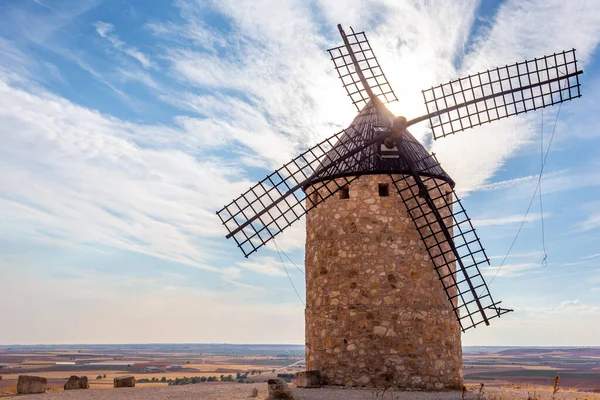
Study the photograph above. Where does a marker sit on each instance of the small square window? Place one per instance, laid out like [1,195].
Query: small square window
[384,189]
[345,192]
[315,198]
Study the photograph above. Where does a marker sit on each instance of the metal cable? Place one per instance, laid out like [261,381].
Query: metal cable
[542,162]
[288,257]
[537,187]
[288,275]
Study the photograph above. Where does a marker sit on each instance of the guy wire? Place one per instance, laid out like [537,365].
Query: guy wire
[537,187]
[288,275]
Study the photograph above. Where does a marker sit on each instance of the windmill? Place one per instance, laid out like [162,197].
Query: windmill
[392,259]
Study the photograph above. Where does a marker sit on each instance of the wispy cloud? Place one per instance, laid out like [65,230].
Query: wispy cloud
[97,297]
[574,306]
[531,254]
[515,34]
[106,30]
[509,183]
[591,256]
[507,220]
[509,270]
[264,265]
[591,222]
[96,186]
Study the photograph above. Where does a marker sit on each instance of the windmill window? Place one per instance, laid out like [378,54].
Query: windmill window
[384,189]
[345,192]
[315,198]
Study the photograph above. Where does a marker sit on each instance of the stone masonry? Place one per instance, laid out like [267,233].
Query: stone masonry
[376,312]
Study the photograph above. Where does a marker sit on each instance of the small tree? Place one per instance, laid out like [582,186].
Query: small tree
[163,379]
[104,376]
[99,377]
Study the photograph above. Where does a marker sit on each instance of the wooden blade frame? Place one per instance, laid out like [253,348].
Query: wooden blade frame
[274,203]
[452,244]
[375,83]
[498,93]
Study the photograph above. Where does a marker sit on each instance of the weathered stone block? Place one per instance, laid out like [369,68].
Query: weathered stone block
[27,384]
[124,381]
[77,382]
[309,379]
[278,389]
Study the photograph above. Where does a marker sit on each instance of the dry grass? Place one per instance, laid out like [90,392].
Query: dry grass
[11,388]
[527,392]
[210,367]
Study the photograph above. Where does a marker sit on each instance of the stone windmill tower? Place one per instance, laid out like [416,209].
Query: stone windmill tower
[392,259]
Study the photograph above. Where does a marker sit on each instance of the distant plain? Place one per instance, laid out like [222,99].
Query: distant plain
[519,368]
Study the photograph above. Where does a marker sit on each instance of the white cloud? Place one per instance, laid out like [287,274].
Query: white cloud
[507,184]
[106,30]
[264,265]
[509,270]
[574,307]
[76,176]
[515,34]
[146,312]
[293,89]
[566,323]
[571,304]
[591,256]
[591,222]
[506,220]
[519,255]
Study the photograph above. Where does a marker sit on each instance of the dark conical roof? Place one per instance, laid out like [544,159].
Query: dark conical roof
[376,158]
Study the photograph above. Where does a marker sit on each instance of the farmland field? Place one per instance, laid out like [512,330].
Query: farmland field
[152,365]
[161,364]
[577,368]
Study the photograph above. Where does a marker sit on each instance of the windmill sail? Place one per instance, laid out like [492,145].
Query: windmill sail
[368,65]
[277,201]
[501,92]
[452,244]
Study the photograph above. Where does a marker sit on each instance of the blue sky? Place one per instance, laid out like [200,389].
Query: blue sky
[125,125]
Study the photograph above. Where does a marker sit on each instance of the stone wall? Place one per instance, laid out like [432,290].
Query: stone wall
[376,312]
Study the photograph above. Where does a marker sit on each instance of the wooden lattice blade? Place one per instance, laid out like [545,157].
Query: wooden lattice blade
[277,201]
[367,61]
[501,92]
[452,244]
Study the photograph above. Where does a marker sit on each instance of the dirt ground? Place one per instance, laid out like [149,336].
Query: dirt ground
[223,391]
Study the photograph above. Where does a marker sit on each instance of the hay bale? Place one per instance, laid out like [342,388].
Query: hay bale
[27,384]
[124,381]
[77,382]
[308,379]
[278,389]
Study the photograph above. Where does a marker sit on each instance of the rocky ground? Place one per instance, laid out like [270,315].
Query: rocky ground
[242,391]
